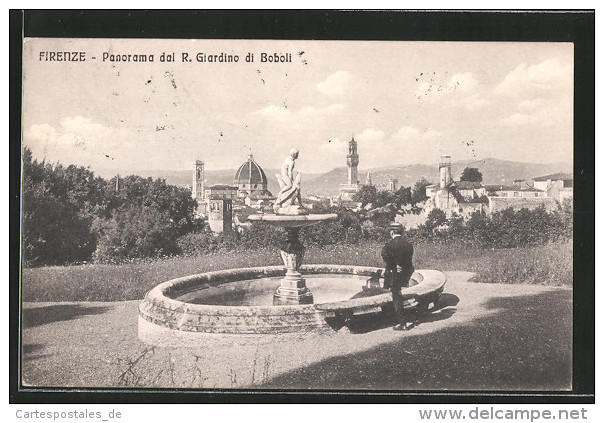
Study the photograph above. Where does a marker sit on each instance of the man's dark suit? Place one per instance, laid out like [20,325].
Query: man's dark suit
[398,256]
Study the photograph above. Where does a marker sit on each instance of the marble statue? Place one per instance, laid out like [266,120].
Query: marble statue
[289,199]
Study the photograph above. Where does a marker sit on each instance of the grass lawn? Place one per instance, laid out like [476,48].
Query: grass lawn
[544,265]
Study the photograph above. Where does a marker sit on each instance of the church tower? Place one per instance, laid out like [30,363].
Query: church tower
[198,191]
[444,169]
[353,162]
[348,190]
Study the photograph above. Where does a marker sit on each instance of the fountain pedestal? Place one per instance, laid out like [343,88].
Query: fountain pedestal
[293,289]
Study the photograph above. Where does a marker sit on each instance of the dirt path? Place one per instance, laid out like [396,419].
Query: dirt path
[512,337]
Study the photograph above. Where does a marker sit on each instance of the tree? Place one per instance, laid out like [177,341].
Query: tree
[471,174]
[435,218]
[67,209]
[135,232]
[365,195]
[418,194]
[402,196]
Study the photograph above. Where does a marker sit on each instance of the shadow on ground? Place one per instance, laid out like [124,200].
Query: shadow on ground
[444,309]
[31,351]
[523,343]
[38,316]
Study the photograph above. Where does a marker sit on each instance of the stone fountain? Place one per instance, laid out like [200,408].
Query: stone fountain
[237,301]
[292,216]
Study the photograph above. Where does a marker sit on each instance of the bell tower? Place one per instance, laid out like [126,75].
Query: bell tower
[352,159]
[444,168]
[198,191]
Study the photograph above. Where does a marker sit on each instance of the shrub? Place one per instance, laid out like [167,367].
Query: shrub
[261,235]
[134,233]
[196,243]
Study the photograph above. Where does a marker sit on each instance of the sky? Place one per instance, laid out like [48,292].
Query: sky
[404,102]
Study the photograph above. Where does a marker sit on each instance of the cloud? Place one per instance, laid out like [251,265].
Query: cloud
[336,84]
[410,133]
[530,105]
[370,135]
[281,113]
[546,116]
[542,95]
[42,132]
[463,82]
[311,111]
[406,145]
[334,145]
[550,75]
[273,112]
[460,90]
[77,140]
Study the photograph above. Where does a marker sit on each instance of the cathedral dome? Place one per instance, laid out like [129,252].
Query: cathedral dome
[250,173]
[251,179]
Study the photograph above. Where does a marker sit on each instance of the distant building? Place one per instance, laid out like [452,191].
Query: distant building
[454,197]
[469,190]
[220,214]
[518,190]
[228,192]
[558,186]
[217,201]
[348,190]
[198,191]
[444,170]
[392,182]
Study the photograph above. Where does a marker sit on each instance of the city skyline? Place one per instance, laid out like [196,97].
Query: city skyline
[404,102]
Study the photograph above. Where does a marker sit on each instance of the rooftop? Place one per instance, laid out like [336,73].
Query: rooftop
[467,185]
[555,177]
[222,186]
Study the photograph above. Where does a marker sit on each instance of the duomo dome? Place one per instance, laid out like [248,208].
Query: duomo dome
[251,180]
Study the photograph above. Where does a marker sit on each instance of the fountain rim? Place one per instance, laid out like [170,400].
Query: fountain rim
[430,281]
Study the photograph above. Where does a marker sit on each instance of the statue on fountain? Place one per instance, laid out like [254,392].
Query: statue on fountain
[289,182]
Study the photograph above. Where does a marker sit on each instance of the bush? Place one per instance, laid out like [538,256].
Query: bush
[261,235]
[135,233]
[196,243]
[68,213]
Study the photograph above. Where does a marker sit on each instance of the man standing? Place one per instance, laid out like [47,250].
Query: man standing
[398,256]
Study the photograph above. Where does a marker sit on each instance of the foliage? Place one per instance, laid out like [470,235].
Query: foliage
[71,215]
[58,208]
[503,229]
[365,195]
[261,235]
[418,193]
[135,232]
[369,194]
[471,174]
[436,218]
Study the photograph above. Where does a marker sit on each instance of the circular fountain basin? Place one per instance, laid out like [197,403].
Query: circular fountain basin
[239,301]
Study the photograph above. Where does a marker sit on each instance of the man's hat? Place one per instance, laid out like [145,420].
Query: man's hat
[395,226]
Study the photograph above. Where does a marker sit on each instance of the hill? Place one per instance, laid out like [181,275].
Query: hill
[328,184]
[494,170]
[183,178]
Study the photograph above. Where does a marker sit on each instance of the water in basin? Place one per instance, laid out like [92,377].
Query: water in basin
[259,292]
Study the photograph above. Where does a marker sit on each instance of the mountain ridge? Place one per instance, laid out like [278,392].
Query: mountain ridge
[328,183]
